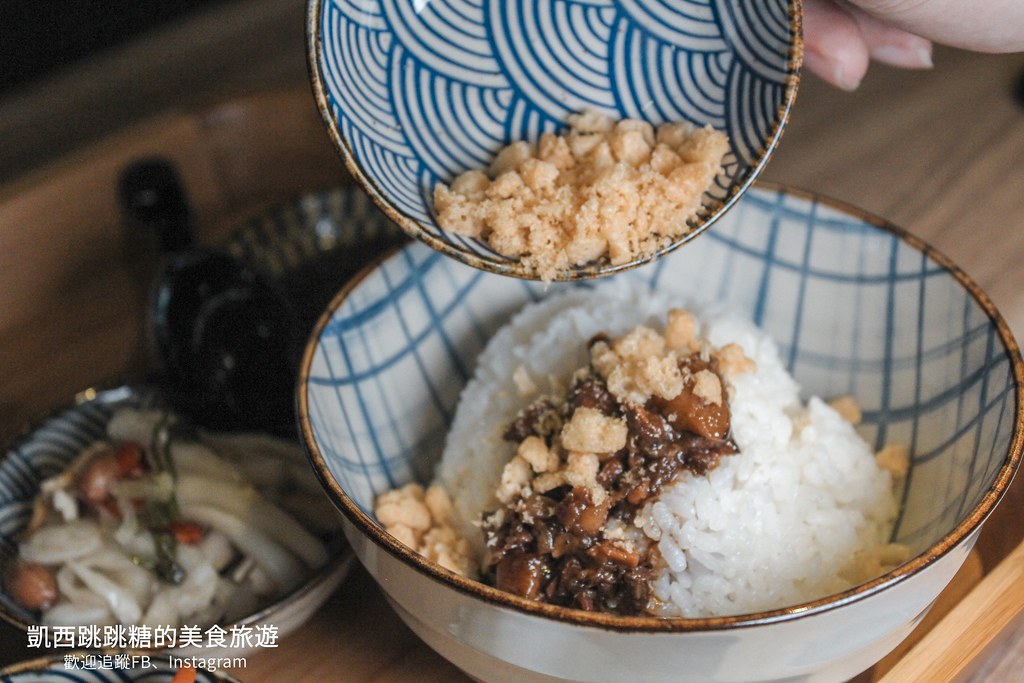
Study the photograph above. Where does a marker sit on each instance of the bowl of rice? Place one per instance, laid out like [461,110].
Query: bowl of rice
[761,458]
[560,140]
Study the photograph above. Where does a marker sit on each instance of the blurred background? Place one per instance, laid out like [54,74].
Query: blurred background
[45,35]
[73,72]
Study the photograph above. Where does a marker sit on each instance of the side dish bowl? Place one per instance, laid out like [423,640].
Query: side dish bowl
[413,94]
[90,667]
[47,450]
[857,306]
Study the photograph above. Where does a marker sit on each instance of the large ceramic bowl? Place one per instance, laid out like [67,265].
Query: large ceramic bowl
[48,448]
[857,306]
[413,93]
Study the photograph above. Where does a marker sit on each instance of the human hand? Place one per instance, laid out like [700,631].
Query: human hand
[842,36]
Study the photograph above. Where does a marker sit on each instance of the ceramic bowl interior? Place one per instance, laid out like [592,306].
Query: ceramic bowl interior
[155,669]
[856,305]
[48,448]
[416,93]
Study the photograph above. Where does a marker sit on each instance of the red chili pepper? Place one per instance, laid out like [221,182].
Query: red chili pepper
[129,460]
[186,674]
[185,532]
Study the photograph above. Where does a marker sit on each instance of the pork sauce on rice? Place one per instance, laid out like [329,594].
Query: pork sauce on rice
[615,453]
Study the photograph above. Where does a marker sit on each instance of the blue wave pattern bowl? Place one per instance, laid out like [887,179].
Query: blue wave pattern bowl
[414,93]
[857,307]
[153,669]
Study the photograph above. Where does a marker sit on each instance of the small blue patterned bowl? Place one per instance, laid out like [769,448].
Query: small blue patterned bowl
[857,307]
[50,446]
[89,667]
[413,93]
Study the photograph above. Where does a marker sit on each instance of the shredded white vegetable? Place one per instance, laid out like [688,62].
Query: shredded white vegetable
[249,551]
[78,614]
[156,487]
[162,609]
[62,543]
[134,425]
[65,505]
[250,507]
[196,458]
[217,549]
[122,604]
[282,567]
[200,582]
[75,592]
[119,568]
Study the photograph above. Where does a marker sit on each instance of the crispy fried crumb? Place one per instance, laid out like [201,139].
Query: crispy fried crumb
[581,471]
[550,480]
[848,408]
[876,561]
[644,363]
[534,451]
[636,381]
[405,507]
[421,520]
[514,478]
[442,545]
[895,459]
[620,190]
[638,365]
[603,358]
[681,331]
[403,534]
[440,505]
[640,343]
[591,431]
[733,361]
[708,387]
[614,532]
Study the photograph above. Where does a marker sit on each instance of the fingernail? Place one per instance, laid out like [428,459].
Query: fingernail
[913,58]
[830,69]
[841,79]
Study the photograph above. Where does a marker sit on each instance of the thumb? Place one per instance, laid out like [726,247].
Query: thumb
[980,25]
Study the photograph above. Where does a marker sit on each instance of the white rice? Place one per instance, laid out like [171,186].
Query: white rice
[792,517]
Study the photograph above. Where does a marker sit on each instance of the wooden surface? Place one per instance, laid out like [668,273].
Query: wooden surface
[939,153]
[956,646]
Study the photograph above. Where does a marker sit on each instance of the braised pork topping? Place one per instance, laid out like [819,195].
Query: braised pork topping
[585,465]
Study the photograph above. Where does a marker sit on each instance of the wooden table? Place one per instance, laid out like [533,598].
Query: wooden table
[940,153]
